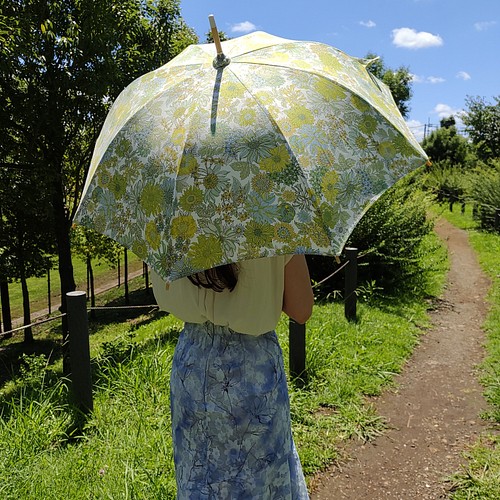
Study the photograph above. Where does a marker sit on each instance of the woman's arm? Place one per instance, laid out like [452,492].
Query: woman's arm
[298,298]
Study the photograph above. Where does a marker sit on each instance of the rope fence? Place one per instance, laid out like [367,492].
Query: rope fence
[111,308]
[36,323]
[79,345]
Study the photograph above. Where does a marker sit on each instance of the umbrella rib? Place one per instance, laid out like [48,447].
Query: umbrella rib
[336,82]
[275,124]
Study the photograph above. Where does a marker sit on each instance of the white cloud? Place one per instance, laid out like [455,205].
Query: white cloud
[417,128]
[427,79]
[484,25]
[409,38]
[243,27]
[367,24]
[435,79]
[463,75]
[444,111]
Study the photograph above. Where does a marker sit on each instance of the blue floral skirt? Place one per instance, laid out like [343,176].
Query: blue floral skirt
[231,417]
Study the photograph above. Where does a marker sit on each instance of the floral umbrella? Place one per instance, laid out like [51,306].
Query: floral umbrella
[276,147]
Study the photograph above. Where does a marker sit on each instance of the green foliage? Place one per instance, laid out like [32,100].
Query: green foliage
[448,184]
[64,63]
[26,240]
[481,478]
[125,447]
[33,370]
[92,245]
[485,192]
[103,275]
[446,147]
[222,37]
[391,236]
[487,246]
[483,125]
[398,81]
[391,240]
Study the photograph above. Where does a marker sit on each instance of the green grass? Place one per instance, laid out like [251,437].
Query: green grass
[481,477]
[463,221]
[124,451]
[38,287]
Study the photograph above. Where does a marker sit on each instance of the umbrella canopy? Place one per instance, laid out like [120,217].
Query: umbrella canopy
[278,147]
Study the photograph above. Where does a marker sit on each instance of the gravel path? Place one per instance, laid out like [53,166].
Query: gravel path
[433,414]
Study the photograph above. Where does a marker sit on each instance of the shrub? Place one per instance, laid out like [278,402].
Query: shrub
[446,182]
[390,240]
[485,192]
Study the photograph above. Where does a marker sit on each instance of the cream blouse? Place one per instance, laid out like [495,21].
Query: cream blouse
[253,307]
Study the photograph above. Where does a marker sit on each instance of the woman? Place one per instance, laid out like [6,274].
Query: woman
[229,399]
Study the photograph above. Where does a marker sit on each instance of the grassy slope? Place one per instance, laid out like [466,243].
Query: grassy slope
[481,479]
[125,449]
[38,287]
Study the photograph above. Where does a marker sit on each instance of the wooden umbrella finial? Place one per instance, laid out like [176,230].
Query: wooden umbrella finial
[220,61]
[215,34]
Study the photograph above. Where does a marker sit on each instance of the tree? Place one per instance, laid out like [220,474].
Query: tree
[25,232]
[448,122]
[398,81]
[445,146]
[92,245]
[483,126]
[64,62]
[209,38]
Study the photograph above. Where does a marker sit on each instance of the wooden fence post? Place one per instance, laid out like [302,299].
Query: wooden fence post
[351,283]
[297,351]
[79,350]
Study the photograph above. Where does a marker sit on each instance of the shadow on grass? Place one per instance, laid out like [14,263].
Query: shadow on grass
[114,308]
[124,350]
[38,384]
[48,340]
[12,355]
[48,337]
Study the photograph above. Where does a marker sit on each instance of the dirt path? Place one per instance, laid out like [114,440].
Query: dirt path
[101,286]
[433,414]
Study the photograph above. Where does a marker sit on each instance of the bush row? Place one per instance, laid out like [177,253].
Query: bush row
[390,239]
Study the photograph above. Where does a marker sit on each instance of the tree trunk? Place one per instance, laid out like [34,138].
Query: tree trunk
[88,279]
[125,277]
[90,272]
[28,332]
[6,315]
[65,265]
[49,291]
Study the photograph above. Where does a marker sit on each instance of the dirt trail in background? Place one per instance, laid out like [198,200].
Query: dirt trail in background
[101,286]
[433,414]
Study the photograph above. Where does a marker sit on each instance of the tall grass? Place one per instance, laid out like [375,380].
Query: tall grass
[124,450]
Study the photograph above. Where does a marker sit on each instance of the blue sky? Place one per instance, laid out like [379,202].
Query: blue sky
[451,47]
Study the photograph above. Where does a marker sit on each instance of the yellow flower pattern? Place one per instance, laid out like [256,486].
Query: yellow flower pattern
[280,151]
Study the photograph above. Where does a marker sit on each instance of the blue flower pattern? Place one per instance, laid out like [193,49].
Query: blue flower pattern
[231,418]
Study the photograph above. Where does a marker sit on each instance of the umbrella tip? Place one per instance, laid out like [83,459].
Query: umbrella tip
[221,60]
[215,33]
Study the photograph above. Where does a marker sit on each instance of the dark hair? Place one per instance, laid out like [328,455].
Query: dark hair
[218,278]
